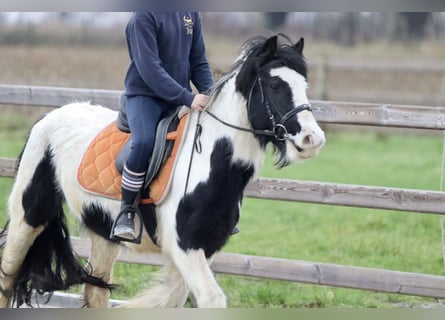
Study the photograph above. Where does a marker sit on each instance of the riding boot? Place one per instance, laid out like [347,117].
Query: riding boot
[128,223]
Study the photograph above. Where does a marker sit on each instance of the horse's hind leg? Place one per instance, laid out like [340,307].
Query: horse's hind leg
[23,229]
[19,239]
[33,203]
[101,261]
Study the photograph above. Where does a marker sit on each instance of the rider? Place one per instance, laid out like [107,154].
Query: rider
[167,52]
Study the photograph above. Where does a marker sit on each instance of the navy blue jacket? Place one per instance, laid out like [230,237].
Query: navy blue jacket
[167,51]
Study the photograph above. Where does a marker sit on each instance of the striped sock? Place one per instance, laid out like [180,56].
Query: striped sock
[131,184]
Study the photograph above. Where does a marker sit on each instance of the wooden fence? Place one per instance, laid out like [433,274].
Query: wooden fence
[404,200]
[378,80]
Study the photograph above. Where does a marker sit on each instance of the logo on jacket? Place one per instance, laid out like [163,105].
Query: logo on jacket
[188,23]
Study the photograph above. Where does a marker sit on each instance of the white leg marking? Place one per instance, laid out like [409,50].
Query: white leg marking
[168,290]
[102,257]
[197,274]
[20,238]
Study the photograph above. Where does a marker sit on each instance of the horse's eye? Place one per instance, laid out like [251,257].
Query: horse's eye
[275,86]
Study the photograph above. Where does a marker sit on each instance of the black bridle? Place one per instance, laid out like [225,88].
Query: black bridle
[279,131]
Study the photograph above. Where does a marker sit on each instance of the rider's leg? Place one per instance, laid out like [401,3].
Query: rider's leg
[143,114]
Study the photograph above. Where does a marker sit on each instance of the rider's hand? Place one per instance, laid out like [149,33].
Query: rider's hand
[199,101]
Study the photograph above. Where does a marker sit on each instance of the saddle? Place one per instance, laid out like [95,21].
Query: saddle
[101,167]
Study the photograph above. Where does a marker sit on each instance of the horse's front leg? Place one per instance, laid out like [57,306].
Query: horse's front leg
[195,270]
[102,258]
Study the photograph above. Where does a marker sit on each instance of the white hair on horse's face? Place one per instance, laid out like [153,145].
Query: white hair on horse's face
[296,82]
[307,142]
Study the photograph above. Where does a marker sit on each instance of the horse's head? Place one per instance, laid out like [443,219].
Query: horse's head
[273,80]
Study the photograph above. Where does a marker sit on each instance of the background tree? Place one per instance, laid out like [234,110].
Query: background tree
[274,20]
[407,26]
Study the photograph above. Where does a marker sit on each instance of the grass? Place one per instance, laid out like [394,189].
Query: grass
[341,235]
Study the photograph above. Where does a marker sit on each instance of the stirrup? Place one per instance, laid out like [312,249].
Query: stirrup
[126,228]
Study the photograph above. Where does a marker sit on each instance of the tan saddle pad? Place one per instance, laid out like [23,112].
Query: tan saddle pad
[98,174]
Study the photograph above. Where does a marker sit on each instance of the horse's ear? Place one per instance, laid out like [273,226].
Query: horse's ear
[299,45]
[268,50]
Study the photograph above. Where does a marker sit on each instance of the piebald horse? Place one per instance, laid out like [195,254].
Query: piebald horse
[261,101]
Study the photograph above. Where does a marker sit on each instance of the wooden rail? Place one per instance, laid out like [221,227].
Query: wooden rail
[388,115]
[399,199]
[55,97]
[7,167]
[406,200]
[303,271]
[381,280]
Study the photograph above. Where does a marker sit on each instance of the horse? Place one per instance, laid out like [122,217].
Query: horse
[260,101]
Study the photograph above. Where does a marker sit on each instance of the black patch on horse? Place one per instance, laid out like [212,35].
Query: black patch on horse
[99,220]
[42,198]
[206,216]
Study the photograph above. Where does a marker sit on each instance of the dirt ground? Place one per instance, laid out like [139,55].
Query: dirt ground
[77,67]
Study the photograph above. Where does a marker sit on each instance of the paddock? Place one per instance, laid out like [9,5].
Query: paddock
[327,112]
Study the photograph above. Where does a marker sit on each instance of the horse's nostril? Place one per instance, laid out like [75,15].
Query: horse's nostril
[308,140]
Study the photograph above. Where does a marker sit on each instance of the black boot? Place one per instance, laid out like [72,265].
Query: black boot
[128,225]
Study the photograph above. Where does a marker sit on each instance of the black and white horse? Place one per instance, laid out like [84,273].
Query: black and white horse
[261,101]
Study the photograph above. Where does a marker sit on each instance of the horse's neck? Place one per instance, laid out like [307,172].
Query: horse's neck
[230,107]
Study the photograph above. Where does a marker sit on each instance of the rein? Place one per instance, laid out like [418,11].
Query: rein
[279,131]
[196,145]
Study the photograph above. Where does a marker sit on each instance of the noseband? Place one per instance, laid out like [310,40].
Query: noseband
[279,131]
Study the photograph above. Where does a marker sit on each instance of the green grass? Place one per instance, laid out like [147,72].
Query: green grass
[343,235]
[311,232]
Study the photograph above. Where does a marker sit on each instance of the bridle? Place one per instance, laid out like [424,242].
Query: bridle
[279,131]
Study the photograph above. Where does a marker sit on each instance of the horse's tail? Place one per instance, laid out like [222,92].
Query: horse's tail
[49,263]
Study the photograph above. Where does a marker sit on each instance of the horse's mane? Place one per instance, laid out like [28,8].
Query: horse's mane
[286,55]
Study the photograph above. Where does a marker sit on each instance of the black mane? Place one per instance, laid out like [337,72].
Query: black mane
[286,55]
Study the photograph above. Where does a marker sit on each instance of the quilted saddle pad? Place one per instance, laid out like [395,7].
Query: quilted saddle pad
[98,174]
